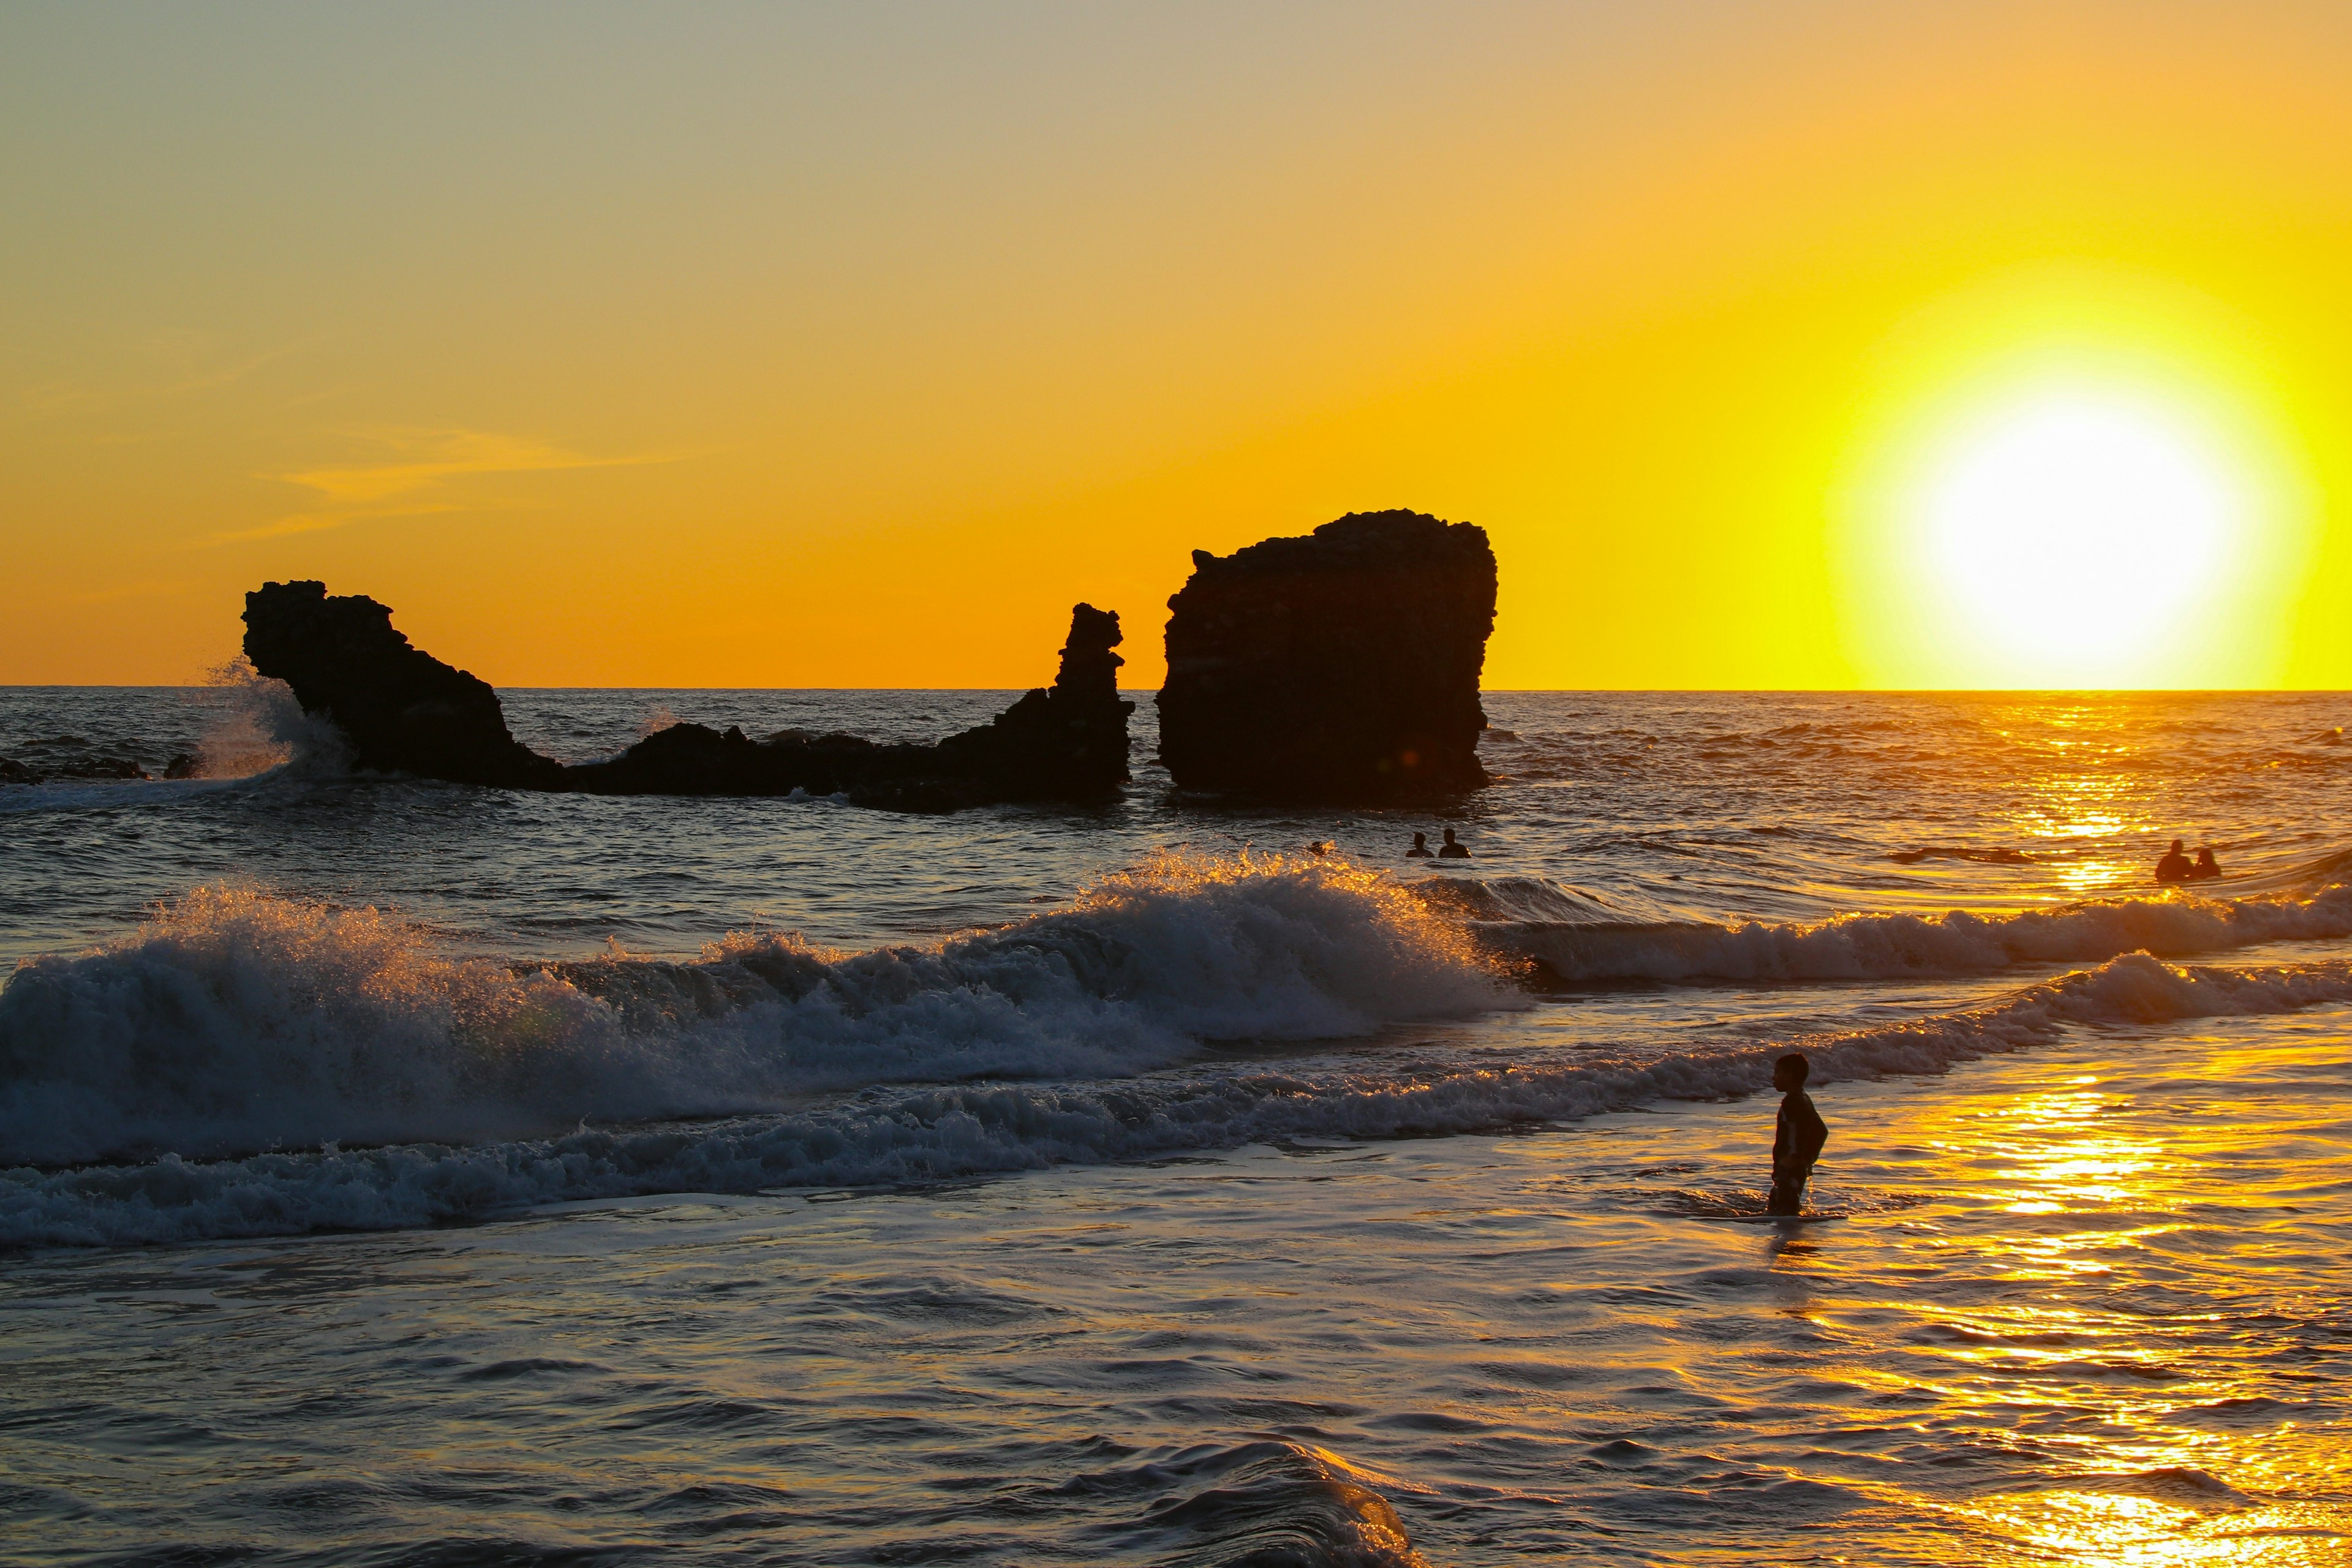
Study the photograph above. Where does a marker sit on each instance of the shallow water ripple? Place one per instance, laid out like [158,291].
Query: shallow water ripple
[2086,1305]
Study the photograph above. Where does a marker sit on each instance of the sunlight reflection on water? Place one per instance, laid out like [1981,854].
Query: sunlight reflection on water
[2078,1306]
[2086,1304]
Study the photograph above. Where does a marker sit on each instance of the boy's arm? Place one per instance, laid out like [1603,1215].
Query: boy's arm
[1813,1134]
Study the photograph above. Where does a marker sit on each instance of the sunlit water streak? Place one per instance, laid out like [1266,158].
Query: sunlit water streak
[2083,1297]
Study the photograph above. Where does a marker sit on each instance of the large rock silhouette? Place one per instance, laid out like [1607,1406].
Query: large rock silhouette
[1339,666]
[399,709]
[403,710]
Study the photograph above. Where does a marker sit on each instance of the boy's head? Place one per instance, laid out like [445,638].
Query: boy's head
[1789,1073]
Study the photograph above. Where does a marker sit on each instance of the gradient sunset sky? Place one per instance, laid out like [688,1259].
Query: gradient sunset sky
[849,346]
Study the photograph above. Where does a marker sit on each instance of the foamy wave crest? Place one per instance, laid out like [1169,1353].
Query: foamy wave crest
[237,1020]
[1890,946]
[940,1132]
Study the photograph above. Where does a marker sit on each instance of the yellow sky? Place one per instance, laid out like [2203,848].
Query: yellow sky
[849,347]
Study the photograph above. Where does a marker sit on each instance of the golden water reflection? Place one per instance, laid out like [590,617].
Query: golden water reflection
[2131,1335]
[2137,1531]
[2089,777]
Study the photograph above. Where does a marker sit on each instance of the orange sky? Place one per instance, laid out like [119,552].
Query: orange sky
[848,347]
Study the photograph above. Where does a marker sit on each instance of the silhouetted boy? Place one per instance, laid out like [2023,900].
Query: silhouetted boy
[1453,848]
[1420,851]
[2175,865]
[1797,1136]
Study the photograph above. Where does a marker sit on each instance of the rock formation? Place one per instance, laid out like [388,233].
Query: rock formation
[399,709]
[1342,666]
[73,758]
[403,710]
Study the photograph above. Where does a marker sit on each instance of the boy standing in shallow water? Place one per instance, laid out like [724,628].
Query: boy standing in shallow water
[1797,1137]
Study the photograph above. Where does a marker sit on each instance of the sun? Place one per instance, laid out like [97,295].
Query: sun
[2076,533]
[2073,476]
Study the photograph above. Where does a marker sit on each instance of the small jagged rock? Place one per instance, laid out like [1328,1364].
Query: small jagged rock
[101,768]
[1341,666]
[1069,738]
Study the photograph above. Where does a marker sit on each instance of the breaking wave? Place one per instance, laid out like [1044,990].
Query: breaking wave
[913,1134]
[1575,940]
[236,1021]
[245,1065]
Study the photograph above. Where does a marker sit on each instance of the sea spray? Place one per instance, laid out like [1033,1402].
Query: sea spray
[260,726]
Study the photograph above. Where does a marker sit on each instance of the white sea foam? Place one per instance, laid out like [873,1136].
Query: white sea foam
[1583,949]
[931,1132]
[234,1021]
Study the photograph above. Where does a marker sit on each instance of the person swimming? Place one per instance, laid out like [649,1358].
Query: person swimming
[1454,848]
[2175,867]
[1420,851]
[2207,868]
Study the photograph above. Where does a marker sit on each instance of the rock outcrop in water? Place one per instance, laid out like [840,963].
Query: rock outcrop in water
[1342,666]
[73,759]
[403,710]
[399,709]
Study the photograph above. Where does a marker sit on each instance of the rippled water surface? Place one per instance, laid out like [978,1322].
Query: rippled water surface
[405,1173]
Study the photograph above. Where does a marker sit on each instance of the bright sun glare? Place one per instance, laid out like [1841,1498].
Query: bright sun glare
[2076,532]
[2066,479]
[2077,537]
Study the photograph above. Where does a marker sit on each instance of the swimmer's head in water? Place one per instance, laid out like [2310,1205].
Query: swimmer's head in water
[2176,846]
[1449,835]
[1790,1072]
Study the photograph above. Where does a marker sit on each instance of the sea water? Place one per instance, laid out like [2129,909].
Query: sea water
[398,1173]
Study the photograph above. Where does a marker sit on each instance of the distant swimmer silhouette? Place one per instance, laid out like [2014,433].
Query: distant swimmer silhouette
[1797,1135]
[2207,868]
[2175,865]
[1452,850]
[1420,851]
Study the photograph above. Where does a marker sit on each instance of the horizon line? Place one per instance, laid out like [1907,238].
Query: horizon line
[1483,690]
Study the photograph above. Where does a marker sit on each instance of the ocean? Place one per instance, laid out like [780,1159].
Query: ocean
[395,1173]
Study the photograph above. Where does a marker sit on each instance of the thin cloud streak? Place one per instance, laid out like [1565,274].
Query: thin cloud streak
[426,457]
[421,459]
